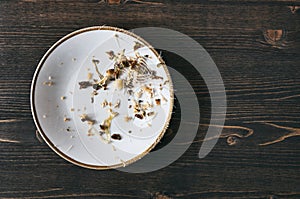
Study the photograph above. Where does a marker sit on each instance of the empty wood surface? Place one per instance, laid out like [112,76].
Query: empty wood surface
[254,43]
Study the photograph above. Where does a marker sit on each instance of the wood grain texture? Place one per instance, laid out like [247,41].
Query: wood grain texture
[255,45]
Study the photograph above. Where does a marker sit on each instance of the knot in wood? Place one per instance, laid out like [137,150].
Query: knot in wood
[294,9]
[275,37]
[232,140]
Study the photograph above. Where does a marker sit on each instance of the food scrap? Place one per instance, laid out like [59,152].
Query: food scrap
[157,101]
[140,116]
[48,83]
[104,103]
[137,46]
[116,136]
[131,74]
[85,118]
[117,105]
[127,118]
[84,84]
[66,119]
[89,76]
[105,127]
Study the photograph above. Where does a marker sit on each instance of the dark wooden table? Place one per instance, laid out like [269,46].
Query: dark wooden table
[255,44]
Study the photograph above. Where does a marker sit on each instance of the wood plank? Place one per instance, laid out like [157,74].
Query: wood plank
[255,45]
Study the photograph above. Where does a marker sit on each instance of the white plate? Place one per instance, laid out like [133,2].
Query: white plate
[58,74]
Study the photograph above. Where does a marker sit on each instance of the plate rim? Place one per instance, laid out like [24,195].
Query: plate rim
[33,109]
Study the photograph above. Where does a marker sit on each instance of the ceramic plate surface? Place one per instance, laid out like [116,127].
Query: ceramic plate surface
[101,97]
